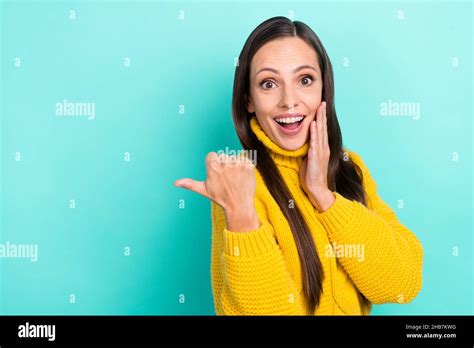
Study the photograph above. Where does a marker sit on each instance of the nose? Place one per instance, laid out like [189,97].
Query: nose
[289,98]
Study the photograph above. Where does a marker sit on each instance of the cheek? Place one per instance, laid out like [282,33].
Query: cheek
[266,103]
[312,112]
[312,99]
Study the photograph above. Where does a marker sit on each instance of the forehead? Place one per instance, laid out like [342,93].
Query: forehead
[284,54]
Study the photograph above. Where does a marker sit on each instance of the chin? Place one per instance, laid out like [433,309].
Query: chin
[292,142]
[292,145]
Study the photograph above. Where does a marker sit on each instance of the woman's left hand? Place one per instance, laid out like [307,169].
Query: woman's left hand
[314,168]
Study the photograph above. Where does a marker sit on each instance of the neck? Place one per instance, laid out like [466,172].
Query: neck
[282,157]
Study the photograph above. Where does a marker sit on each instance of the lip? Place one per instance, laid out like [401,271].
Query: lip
[289,131]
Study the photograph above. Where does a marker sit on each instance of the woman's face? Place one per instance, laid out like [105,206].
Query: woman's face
[285,90]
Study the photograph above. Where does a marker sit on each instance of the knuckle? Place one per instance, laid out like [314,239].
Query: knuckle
[211,156]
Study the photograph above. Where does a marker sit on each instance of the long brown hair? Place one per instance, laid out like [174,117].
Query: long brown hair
[344,176]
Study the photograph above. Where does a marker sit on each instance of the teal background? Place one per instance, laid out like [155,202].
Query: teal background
[190,62]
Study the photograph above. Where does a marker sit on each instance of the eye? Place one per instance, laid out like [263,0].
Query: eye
[307,78]
[266,84]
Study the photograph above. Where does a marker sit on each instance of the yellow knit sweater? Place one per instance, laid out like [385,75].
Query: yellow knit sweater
[361,248]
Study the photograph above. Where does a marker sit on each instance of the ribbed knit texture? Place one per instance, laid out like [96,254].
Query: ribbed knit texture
[259,272]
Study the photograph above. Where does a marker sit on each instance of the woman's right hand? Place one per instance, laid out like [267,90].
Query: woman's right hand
[231,184]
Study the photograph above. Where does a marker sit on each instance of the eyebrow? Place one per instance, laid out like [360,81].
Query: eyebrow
[294,70]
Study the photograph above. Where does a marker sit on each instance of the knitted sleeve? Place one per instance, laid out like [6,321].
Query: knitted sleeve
[249,275]
[391,269]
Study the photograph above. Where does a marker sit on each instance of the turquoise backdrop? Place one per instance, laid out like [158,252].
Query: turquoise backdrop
[90,183]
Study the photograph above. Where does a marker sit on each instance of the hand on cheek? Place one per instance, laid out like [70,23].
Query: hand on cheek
[314,168]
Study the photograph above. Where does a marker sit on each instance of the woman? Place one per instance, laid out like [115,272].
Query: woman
[305,232]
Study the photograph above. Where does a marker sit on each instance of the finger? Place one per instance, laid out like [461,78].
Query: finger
[313,139]
[246,159]
[325,126]
[319,131]
[192,185]
[215,158]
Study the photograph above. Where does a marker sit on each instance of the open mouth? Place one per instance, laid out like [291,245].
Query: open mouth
[290,123]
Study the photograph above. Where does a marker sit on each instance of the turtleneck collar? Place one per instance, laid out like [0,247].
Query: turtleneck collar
[287,158]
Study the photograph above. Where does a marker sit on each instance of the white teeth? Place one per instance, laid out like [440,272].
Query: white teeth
[289,119]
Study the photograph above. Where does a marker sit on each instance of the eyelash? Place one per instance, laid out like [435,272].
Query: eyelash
[267,80]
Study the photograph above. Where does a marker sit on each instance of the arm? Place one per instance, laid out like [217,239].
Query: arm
[249,274]
[392,267]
